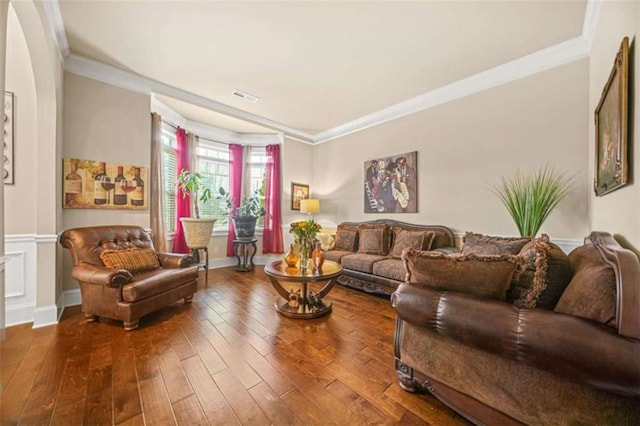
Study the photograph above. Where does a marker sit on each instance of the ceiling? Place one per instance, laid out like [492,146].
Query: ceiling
[315,66]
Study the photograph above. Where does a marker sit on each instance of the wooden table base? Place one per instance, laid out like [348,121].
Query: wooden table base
[303,311]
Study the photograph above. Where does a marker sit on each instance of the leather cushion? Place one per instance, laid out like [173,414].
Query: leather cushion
[151,283]
[361,262]
[592,293]
[373,239]
[480,275]
[545,278]
[404,239]
[133,260]
[486,244]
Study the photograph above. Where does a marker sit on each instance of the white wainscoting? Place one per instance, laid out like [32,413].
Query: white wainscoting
[20,278]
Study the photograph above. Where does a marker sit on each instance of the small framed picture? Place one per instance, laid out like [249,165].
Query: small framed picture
[7,150]
[299,192]
[611,119]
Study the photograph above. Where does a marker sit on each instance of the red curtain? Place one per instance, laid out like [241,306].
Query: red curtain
[183,204]
[272,234]
[236,164]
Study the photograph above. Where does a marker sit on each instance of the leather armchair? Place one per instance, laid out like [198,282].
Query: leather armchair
[117,293]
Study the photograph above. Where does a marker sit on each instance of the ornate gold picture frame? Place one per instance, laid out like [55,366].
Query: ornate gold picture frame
[611,119]
[299,191]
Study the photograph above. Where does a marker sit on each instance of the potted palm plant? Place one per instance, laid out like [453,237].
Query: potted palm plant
[531,198]
[197,230]
[246,215]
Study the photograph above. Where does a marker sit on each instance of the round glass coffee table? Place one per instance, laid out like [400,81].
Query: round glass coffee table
[303,303]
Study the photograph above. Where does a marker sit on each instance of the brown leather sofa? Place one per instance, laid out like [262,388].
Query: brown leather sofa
[495,363]
[378,271]
[117,293]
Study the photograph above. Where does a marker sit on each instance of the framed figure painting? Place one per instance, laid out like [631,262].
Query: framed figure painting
[611,121]
[391,184]
[299,192]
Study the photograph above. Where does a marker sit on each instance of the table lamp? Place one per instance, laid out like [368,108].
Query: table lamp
[310,206]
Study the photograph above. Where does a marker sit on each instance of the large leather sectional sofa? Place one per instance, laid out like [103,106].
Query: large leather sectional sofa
[374,265]
[575,360]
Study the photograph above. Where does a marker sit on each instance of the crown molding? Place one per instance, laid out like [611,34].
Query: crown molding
[108,74]
[56,25]
[554,56]
[542,60]
[591,16]
[208,131]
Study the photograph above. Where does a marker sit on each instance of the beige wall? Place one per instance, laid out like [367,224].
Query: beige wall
[104,122]
[20,199]
[465,145]
[297,166]
[617,212]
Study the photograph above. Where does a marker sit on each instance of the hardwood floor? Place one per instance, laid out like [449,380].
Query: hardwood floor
[227,358]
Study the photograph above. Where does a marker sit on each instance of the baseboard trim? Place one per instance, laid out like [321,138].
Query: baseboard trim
[71,298]
[19,314]
[45,315]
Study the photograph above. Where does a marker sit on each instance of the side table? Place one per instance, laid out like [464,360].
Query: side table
[245,250]
[195,253]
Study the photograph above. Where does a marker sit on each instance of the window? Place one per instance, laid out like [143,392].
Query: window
[213,164]
[170,173]
[256,172]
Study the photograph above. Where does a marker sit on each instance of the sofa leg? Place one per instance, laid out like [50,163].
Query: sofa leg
[188,299]
[405,377]
[131,325]
[91,318]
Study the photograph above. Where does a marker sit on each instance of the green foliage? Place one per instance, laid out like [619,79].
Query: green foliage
[305,230]
[191,183]
[251,206]
[531,198]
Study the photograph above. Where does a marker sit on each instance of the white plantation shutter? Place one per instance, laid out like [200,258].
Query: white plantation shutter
[257,165]
[170,173]
[213,164]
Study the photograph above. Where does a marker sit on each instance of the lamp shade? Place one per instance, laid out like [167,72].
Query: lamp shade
[310,206]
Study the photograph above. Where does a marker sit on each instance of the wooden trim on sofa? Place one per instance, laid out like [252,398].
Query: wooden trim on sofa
[626,267]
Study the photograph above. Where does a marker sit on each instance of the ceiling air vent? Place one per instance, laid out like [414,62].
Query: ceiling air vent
[246,96]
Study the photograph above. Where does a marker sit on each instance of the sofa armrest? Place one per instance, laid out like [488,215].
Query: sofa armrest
[94,274]
[568,346]
[175,260]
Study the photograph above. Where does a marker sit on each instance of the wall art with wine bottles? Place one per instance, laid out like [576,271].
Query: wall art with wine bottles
[89,184]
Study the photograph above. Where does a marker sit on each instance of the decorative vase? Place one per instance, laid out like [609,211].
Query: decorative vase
[245,227]
[304,254]
[197,232]
[291,258]
[317,257]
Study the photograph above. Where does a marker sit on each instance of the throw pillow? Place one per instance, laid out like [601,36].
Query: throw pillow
[547,274]
[487,244]
[592,292]
[346,238]
[133,260]
[480,275]
[373,239]
[404,239]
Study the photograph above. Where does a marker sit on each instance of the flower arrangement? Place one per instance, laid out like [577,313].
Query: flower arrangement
[305,230]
